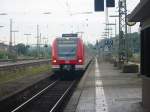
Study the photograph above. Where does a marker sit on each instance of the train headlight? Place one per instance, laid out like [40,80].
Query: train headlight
[54,61]
[79,60]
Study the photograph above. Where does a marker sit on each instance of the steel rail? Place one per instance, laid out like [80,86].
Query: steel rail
[25,59]
[15,66]
[25,62]
[32,98]
[62,97]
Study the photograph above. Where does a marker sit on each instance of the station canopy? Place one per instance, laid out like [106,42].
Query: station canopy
[141,12]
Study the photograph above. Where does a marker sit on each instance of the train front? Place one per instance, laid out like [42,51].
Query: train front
[67,54]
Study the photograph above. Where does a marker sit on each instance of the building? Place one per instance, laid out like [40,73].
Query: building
[141,14]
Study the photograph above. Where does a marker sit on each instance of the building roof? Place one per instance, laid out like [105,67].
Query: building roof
[141,12]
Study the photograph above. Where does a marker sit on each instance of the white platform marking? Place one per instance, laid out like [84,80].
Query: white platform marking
[101,105]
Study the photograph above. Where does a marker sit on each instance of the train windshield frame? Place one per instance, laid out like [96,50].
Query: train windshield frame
[67,48]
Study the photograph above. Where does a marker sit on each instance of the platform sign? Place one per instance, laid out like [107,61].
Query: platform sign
[110,3]
[70,35]
[109,43]
[99,5]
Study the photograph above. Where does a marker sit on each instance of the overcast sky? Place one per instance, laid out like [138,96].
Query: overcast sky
[26,14]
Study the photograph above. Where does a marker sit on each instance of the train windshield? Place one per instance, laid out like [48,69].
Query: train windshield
[67,48]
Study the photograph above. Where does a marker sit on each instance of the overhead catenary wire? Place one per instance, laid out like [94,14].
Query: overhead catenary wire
[64,5]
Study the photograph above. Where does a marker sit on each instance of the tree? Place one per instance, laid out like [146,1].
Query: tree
[21,49]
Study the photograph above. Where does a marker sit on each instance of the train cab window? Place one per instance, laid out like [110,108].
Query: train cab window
[67,48]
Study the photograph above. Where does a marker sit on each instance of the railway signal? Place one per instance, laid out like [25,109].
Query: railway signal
[110,3]
[99,5]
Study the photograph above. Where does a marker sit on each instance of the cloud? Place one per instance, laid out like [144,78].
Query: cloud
[26,14]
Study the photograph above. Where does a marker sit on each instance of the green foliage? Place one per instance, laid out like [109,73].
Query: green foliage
[3,55]
[6,55]
[44,52]
[6,76]
[12,56]
[130,54]
[28,46]
[134,42]
[45,45]
[21,49]
[135,58]
[90,48]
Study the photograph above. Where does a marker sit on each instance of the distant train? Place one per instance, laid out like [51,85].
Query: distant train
[68,53]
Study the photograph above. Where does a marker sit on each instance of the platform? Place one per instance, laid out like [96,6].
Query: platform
[104,88]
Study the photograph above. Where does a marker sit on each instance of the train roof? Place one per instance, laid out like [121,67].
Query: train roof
[68,38]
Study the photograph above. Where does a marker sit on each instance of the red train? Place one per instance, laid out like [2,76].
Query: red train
[68,53]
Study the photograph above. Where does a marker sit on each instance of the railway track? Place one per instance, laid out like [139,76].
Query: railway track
[49,99]
[44,96]
[23,64]
[7,104]
[16,60]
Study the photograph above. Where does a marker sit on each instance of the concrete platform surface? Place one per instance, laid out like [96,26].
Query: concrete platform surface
[104,88]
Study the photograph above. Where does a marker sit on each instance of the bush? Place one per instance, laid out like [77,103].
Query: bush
[12,56]
[135,58]
[3,55]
